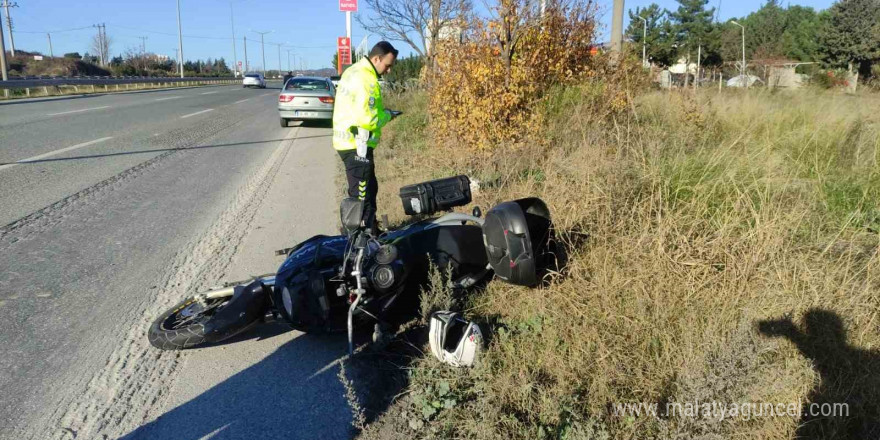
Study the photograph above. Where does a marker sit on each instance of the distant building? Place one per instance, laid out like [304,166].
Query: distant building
[682,66]
[450,32]
[783,75]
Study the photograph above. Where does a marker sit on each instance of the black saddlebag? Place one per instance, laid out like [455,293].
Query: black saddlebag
[436,195]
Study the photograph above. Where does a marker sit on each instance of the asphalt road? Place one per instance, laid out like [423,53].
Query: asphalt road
[115,207]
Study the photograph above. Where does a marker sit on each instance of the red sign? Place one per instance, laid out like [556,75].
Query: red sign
[343,52]
[348,5]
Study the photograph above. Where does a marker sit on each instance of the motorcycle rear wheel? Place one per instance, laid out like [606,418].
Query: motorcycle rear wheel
[183,326]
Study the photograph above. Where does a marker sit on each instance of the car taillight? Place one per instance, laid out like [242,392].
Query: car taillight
[326,99]
[285,98]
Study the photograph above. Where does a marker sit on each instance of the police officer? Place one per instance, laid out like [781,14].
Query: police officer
[358,118]
[287,76]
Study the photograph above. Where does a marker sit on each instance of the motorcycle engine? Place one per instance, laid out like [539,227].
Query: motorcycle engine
[388,269]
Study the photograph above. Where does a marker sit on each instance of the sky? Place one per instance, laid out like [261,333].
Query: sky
[308,28]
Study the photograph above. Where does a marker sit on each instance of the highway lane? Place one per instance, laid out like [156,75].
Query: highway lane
[133,128]
[147,200]
[44,109]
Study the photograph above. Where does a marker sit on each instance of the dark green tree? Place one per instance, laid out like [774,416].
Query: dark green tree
[405,69]
[800,41]
[773,32]
[852,35]
[659,33]
[692,26]
[764,28]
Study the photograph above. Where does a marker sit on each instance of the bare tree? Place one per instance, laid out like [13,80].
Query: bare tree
[517,18]
[418,23]
[136,59]
[101,45]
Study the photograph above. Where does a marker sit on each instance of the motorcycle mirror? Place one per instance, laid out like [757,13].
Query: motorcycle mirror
[351,213]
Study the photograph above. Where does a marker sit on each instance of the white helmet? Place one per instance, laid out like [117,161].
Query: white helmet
[454,340]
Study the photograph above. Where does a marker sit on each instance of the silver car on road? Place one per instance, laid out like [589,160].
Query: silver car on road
[254,80]
[306,98]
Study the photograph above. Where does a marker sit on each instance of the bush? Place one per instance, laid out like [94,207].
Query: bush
[485,91]
[829,79]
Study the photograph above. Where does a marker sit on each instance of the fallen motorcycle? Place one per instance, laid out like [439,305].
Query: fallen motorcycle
[331,283]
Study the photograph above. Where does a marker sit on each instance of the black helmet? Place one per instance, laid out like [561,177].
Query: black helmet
[516,235]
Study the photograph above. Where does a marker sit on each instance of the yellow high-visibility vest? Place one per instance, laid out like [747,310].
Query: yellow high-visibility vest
[358,104]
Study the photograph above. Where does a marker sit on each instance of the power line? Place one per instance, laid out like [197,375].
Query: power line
[55,32]
[205,37]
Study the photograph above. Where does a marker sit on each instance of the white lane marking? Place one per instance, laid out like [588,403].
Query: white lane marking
[197,113]
[77,111]
[241,100]
[54,153]
[209,93]
[170,97]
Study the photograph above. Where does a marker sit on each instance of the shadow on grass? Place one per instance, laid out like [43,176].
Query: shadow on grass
[850,378]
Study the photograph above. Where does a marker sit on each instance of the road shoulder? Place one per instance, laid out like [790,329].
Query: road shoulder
[271,381]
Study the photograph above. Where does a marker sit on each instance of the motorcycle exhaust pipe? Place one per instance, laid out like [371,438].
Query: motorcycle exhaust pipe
[268,281]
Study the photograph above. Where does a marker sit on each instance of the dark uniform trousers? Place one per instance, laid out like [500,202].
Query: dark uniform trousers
[361,175]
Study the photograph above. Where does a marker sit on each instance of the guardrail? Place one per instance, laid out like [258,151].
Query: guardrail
[76,82]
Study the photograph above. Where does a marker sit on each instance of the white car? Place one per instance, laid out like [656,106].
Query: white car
[254,80]
[306,98]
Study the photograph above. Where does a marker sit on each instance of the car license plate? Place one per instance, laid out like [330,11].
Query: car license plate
[306,114]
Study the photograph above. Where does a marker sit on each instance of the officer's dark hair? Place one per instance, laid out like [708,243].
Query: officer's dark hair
[381,49]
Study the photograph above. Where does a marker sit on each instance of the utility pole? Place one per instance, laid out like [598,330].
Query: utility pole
[617,27]
[246,65]
[102,43]
[699,54]
[279,59]
[143,45]
[644,40]
[234,55]
[263,47]
[179,42]
[743,67]
[6,5]
[49,36]
[288,59]
[3,60]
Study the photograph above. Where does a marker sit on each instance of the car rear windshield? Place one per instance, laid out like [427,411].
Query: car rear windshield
[306,84]
[252,76]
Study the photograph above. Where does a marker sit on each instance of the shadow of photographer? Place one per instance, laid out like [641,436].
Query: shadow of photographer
[848,375]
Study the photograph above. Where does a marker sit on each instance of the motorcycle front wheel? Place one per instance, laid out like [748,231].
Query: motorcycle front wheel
[183,326]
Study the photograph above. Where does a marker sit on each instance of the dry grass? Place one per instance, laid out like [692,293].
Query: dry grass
[689,222]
